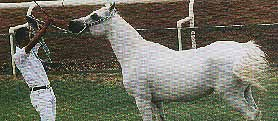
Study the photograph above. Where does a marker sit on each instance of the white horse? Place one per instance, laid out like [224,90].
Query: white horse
[153,73]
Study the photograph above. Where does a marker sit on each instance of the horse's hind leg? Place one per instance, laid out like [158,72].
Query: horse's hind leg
[249,98]
[145,108]
[234,94]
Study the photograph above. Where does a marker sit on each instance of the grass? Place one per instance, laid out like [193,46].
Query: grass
[87,97]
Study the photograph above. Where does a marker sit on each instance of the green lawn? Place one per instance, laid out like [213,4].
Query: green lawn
[87,97]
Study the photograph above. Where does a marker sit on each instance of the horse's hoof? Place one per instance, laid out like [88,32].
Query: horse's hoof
[255,116]
[259,116]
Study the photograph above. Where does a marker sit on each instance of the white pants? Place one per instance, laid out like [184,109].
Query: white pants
[44,102]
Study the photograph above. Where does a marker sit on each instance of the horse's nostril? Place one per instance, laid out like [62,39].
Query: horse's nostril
[75,26]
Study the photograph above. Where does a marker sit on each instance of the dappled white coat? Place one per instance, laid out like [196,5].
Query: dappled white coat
[155,72]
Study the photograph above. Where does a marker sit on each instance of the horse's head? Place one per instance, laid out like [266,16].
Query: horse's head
[96,22]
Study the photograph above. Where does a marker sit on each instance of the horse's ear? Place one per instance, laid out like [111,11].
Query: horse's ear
[112,7]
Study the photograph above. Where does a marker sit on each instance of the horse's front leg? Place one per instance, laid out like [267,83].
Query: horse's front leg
[140,91]
[249,98]
[145,108]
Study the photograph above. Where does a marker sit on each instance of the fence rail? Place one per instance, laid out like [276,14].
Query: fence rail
[76,3]
[200,28]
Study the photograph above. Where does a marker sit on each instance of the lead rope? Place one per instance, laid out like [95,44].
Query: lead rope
[56,27]
[46,50]
[42,40]
[59,28]
[34,27]
[44,46]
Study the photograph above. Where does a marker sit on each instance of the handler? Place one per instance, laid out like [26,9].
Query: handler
[27,61]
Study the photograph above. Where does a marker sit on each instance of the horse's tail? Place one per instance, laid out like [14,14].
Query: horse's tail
[251,65]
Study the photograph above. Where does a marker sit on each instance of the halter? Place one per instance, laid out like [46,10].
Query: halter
[99,21]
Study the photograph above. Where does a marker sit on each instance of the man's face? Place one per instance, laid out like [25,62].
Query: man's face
[22,37]
[25,42]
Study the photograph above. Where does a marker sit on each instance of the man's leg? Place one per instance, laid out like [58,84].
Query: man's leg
[53,103]
[45,104]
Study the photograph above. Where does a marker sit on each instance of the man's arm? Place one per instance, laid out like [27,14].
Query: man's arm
[37,37]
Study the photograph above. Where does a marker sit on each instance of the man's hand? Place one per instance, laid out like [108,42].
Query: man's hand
[38,35]
[32,22]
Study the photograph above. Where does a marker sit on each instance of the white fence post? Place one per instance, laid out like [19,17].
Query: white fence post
[12,32]
[191,21]
[179,23]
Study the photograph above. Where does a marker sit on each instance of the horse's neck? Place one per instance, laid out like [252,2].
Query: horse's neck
[124,38]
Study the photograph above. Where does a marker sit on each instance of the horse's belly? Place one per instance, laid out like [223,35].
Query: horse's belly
[178,81]
[180,90]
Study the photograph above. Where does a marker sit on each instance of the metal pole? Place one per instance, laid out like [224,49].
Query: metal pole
[179,23]
[179,39]
[12,51]
[189,19]
[30,9]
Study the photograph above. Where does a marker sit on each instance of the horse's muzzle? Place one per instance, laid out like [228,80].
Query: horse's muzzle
[75,26]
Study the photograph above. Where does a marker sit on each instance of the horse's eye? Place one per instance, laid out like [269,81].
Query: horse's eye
[94,17]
